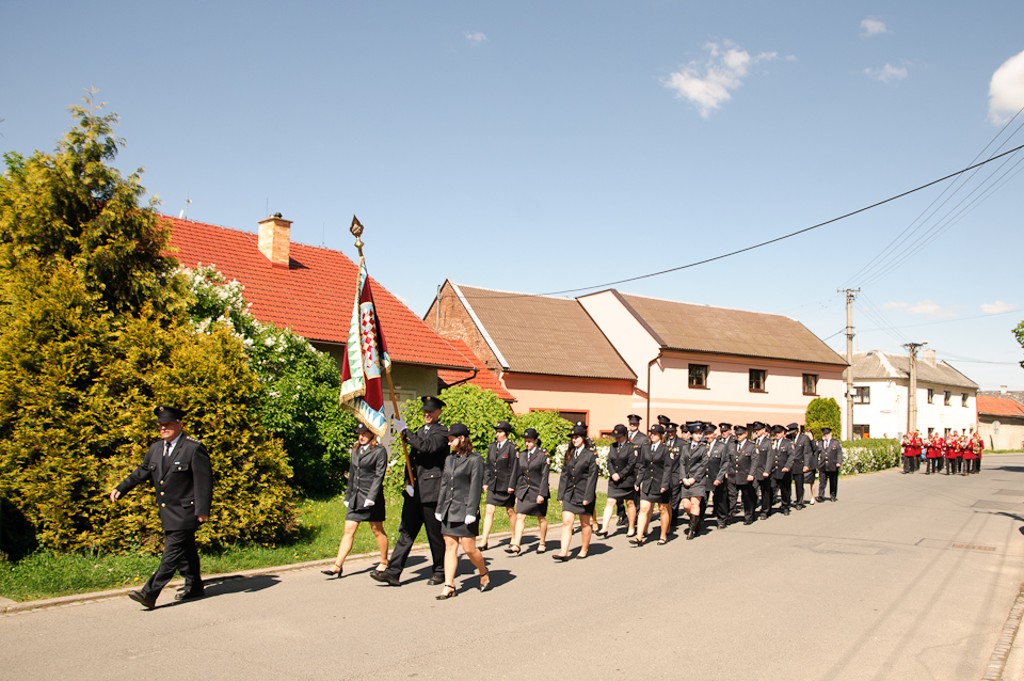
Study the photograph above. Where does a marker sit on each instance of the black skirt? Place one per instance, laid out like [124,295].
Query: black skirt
[578,509]
[656,496]
[500,498]
[697,490]
[460,529]
[373,514]
[623,489]
[532,508]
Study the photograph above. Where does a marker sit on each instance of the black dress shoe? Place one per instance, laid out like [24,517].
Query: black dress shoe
[190,594]
[560,558]
[435,580]
[384,577]
[748,521]
[139,597]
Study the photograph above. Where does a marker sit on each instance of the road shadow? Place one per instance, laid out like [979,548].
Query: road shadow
[229,584]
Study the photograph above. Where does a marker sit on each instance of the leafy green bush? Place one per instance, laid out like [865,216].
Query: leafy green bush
[92,336]
[823,413]
[867,456]
[298,395]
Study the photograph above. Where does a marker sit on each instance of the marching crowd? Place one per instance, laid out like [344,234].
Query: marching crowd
[954,453]
[675,470]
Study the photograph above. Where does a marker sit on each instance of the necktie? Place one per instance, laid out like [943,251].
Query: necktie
[167,449]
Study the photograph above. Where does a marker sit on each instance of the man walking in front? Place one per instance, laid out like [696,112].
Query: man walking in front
[180,470]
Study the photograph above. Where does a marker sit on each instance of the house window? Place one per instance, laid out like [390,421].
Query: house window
[931,431]
[963,399]
[574,416]
[698,375]
[810,384]
[758,377]
[931,395]
[862,394]
[945,398]
[862,432]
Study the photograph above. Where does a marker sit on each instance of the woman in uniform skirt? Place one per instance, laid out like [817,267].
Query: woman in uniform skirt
[654,483]
[621,480]
[501,457]
[457,507]
[529,485]
[365,497]
[693,468]
[577,490]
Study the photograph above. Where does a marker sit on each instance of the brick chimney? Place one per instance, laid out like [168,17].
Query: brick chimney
[928,356]
[274,239]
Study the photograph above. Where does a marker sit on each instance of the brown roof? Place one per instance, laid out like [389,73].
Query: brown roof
[484,378]
[1000,406]
[541,335]
[878,364]
[701,328]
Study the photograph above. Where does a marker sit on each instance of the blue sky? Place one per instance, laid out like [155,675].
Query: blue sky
[539,147]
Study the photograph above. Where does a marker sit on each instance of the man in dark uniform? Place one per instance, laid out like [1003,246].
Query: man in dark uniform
[802,464]
[179,468]
[830,460]
[718,457]
[429,448]
[672,443]
[741,474]
[781,458]
[762,445]
[633,437]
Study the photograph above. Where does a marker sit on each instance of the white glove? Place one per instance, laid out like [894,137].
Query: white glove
[470,518]
[410,490]
[438,516]
[398,424]
[368,503]
[346,504]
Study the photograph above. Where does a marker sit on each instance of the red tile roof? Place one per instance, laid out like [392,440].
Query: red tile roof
[484,378]
[313,296]
[999,406]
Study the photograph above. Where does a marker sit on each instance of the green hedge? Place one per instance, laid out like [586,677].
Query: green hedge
[867,456]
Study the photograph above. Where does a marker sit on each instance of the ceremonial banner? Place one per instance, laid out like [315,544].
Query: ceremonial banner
[366,360]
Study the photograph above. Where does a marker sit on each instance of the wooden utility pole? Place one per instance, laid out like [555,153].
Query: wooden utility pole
[912,396]
[851,293]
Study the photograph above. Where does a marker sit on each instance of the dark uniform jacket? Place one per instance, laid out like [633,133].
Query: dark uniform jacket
[716,460]
[639,439]
[740,462]
[530,474]
[693,463]
[806,455]
[499,464]
[183,482]
[366,477]
[622,459]
[780,455]
[654,468]
[461,485]
[429,449]
[578,482]
[830,455]
[761,449]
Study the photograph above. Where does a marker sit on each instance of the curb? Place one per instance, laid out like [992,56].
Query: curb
[8,607]
[997,662]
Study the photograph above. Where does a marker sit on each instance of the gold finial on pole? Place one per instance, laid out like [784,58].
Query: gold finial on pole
[357,231]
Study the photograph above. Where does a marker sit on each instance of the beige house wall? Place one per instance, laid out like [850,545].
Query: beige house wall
[1001,432]
[627,335]
[605,401]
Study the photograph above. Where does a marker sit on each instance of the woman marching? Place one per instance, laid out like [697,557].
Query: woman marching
[529,487]
[654,483]
[457,507]
[693,470]
[621,480]
[365,497]
[501,458]
[577,490]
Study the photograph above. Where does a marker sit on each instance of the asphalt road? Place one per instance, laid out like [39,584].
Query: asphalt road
[905,577]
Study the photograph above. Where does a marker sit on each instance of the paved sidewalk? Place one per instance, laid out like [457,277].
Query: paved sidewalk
[906,577]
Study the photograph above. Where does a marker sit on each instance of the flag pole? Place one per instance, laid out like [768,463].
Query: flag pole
[357,231]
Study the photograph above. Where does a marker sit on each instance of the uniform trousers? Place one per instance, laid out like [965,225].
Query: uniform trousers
[785,484]
[831,478]
[798,487]
[415,515]
[180,555]
[720,501]
[748,495]
[766,495]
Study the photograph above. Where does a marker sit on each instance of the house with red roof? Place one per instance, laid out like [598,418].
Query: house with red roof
[1001,422]
[310,290]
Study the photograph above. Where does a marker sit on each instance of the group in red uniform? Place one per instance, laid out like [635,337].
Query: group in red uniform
[954,453]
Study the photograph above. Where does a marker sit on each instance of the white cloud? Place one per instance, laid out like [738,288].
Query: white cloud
[1006,91]
[476,38]
[927,308]
[888,73]
[873,26]
[709,84]
[997,307]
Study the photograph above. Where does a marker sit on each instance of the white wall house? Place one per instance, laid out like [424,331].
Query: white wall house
[946,399]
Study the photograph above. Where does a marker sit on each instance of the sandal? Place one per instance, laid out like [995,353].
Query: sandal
[637,541]
[336,572]
[514,549]
[662,542]
[542,548]
[445,595]
[485,580]
[381,567]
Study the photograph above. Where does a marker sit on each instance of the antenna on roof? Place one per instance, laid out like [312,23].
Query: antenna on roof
[184,211]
